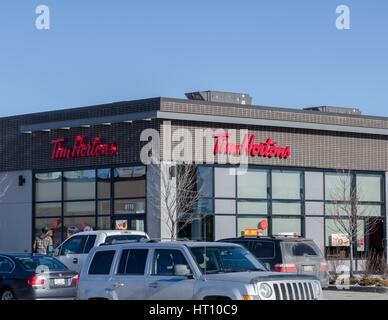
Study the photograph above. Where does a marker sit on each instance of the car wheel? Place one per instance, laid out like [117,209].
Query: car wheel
[8,295]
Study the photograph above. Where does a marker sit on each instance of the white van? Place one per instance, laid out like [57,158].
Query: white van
[73,251]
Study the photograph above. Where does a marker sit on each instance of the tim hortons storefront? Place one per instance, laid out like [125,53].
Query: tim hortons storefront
[83,168]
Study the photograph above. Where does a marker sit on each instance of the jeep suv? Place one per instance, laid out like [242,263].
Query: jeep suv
[186,271]
[287,254]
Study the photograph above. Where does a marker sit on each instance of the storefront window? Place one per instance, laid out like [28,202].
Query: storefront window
[51,209]
[104,223]
[129,206]
[369,187]
[250,223]
[286,185]
[204,206]
[286,208]
[129,182]
[80,223]
[86,198]
[286,226]
[50,223]
[252,184]
[205,181]
[200,228]
[104,207]
[368,210]
[337,186]
[48,186]
[79,208]
[252,207]
[79,185]
[103,183]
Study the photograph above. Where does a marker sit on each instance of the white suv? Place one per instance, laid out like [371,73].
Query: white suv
[187,271]
[73,251]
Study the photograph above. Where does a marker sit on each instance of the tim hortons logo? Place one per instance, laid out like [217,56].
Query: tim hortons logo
[82,148]
[268,148]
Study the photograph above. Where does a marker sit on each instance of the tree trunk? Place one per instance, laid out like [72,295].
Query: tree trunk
[351,260]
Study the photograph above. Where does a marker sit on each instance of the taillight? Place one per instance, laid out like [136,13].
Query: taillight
[75,279]
[290,268]
[323,266]
[36,281]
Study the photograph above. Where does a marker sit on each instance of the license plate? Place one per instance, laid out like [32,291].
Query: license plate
[308,268]
[59,282]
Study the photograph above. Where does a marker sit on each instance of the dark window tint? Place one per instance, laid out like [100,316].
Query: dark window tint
[132,261]
[102,262]
[126,237]
[5,265]
[165,260]
[89,243]
[32,263]
[74,245]
[301,249]
[261,249]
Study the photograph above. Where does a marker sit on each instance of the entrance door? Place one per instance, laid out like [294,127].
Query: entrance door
[376,236]
[129,222]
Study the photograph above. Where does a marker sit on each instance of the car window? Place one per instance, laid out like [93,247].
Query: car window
[301,249]
[124,237]
[102,262]
[261,249]
[165,260]
[133,261]
[33,262]
[89,243]
[297,250]
[224,259]
[6,265]
[74,245]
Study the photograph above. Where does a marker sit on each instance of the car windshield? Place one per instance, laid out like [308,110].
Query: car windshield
[124,237]
[32,263]
[298,250]
[224,259]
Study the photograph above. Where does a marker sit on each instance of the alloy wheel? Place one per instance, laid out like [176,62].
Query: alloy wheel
[7,295]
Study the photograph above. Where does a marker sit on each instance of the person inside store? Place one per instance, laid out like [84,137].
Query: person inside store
[44,242]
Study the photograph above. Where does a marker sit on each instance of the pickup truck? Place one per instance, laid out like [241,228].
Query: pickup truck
[187,270]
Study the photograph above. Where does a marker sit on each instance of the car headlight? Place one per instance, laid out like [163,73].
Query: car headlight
[265,291]
[317,289]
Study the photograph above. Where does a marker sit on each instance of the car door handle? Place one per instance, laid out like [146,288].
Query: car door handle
[118,285]
[75,260]
[154,285]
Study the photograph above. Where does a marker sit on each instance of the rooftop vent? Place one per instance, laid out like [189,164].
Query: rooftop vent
[220,96]
[335,110]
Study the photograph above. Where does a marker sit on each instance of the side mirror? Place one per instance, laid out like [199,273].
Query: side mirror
[56,252]
[182,270]
[268,266]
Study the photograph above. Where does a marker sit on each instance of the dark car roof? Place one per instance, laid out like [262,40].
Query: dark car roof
[23,254]
[274,239]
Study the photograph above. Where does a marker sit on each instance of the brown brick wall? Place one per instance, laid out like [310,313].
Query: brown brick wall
[314,149]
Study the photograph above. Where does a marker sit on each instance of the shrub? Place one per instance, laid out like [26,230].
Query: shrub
[369,281]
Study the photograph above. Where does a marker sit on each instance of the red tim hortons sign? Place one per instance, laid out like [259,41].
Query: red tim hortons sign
[249,146]
[81,148]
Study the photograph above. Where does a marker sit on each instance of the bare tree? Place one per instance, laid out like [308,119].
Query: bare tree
[178,196]
[348,214]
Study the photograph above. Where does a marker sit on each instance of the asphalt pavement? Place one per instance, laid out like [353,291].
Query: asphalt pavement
[351,295]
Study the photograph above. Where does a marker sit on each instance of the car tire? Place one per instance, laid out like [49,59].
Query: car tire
[7,295]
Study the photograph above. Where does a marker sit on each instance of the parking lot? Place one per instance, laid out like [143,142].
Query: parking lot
[351,295]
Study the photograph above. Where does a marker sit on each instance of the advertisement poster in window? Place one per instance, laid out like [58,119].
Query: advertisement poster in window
[121,224]
[339,240]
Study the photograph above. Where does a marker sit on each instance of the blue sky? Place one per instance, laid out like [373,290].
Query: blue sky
[284,53]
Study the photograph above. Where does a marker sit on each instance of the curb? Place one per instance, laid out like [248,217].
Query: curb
[357,289]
